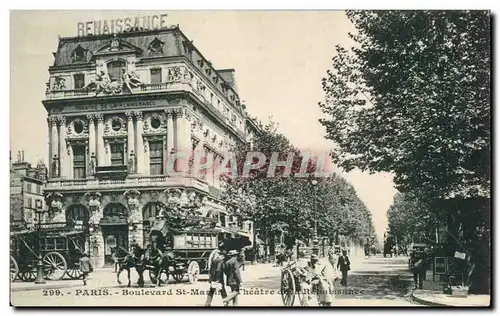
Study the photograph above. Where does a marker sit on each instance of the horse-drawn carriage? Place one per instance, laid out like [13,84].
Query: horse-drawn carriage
[191,250]
[59,246]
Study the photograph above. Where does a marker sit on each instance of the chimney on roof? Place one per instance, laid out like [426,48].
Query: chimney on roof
[22,156]
[18,156]
[229,76]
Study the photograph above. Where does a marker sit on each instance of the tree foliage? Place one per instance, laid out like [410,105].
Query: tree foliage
[411,97]
[293,205]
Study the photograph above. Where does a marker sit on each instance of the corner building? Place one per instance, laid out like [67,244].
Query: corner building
[118,106]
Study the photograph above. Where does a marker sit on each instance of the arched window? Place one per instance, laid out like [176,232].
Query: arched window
[115,210]
[77,212]
[115,69]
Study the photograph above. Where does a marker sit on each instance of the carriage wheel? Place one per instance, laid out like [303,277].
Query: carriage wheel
[288,288]
[193,272]
[14,269]
[27,276]
[55,266]
[74,273]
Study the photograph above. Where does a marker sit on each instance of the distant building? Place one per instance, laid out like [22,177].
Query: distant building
[27,185]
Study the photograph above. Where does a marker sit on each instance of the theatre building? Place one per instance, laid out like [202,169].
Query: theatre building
[118,107]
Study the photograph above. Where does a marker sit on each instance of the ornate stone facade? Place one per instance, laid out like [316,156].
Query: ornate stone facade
[111,138]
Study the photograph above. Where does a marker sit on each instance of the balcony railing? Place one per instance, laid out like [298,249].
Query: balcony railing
[130,182]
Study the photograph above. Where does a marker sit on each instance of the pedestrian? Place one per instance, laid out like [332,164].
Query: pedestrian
[216,278]
[241,259]
[418,269]
[233,278]
[344,265]
[316,280]
[85,267]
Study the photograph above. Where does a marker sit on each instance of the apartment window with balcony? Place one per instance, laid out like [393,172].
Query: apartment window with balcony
[79,81]
[115,69]
[155,75]
[156,157]
[79,162]
[117,154]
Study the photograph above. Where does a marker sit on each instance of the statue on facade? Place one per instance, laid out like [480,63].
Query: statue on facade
[174,74]
[92,165]
[131,163]
[94,204]
[131,80]
[134,203]
[103,83]
[59,83]
[55,167]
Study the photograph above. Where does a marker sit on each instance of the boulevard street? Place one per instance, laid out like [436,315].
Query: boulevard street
[375,281]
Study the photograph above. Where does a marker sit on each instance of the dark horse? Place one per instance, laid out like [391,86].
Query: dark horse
[127,261]
[158,262]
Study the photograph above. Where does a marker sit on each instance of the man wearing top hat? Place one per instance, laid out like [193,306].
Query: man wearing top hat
[233,277]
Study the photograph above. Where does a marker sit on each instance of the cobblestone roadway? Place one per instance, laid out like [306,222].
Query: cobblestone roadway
[376,281]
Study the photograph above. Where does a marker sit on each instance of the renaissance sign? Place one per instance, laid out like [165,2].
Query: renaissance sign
[102,27]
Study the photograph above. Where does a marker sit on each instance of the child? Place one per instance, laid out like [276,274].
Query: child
[85,267]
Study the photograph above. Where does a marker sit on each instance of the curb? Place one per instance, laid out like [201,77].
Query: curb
[428,303]
[44,287]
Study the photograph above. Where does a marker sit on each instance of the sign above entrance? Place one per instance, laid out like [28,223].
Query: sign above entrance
[102,27]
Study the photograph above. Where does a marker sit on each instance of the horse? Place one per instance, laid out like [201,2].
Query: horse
[119,254]
[132,260]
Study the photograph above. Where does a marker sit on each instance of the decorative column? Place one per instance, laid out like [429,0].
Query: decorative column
[170,136]
[101,152]
[130,135]
[54,145]
[139,149]
[63,153]
[92,138]
[183,139]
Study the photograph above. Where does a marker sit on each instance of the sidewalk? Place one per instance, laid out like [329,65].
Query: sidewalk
[98,274]
[434,298]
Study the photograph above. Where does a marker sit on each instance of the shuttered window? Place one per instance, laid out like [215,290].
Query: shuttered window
[79,162]
[117,154]
[155,157]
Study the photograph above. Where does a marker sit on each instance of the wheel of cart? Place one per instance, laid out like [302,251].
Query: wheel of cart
[55,266]
[288,287]
[193,272]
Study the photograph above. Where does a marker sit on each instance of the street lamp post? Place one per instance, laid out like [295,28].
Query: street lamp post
[39,272]
[315,248]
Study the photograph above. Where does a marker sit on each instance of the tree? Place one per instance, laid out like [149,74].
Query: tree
[292,205]
[411,97]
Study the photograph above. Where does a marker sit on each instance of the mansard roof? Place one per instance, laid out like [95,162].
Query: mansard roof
[137,41]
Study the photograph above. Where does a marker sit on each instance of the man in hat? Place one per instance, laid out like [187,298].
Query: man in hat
[315,281]
[216,278]
[233,277]
[344,265]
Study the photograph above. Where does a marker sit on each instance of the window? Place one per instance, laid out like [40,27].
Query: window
[30,203]
[39,189]
[28,187]
[79,81]
[79,162]
[115,69]
[155,75]
[117,154]
[156,157]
